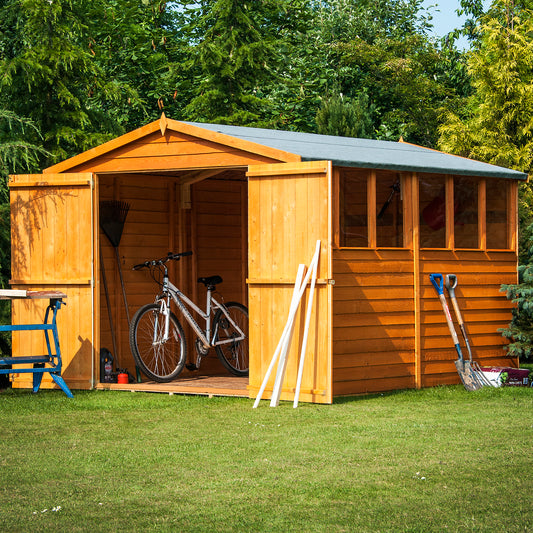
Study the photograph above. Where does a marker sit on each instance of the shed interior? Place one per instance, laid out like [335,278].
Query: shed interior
[170,213]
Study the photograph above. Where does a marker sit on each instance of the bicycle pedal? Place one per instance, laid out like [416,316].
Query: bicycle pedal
[190,366]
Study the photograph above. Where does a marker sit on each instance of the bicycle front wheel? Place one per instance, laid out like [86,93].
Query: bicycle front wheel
[233,353]
[161,359]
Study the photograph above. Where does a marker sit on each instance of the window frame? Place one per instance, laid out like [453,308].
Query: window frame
[410,187]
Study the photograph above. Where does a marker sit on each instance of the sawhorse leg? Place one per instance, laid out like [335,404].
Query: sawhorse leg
[37,377]
[61,383]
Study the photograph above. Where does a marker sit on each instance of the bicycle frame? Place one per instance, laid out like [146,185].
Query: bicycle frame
[183,302]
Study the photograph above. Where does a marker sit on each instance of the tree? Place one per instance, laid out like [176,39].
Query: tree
[46,74]
[232,57]
[496,125]
[16,153]
[236,55]
[382,49]
[346,117]
[140,48]
[84,72]
[520,330]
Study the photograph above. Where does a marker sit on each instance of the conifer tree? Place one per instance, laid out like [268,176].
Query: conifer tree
[84,71]
[235,55]
[520,330]
[346,117]
[45,73]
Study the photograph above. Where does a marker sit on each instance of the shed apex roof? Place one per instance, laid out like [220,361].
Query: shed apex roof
[365,153]
[293,146]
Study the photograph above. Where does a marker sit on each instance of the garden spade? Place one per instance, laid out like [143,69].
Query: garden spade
[464,369]
[451,283]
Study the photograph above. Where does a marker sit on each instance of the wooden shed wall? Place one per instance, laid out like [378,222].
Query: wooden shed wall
[220,233]
[171,151]
[484,309]
[373,321]
[389,330]
[377,345]
[219,241]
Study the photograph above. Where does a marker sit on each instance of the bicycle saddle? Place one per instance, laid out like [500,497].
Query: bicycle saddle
[211,281]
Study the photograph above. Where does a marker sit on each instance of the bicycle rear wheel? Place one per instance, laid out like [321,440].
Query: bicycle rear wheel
[233,353]
[159,359]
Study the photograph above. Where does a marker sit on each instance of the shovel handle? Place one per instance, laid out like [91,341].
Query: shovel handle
[438,283]
[451,283]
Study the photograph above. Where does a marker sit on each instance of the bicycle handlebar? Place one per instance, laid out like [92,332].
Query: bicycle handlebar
[162,261]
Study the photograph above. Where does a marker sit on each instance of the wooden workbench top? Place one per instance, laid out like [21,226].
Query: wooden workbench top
[11,294]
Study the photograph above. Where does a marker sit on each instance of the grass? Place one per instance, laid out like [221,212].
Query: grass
[431,460]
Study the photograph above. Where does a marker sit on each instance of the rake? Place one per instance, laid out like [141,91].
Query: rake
[113,215]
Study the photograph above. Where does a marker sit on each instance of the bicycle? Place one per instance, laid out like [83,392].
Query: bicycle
[157,338]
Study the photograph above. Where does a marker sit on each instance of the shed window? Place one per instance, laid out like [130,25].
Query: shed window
[389,219]
[432,195]
[454,212]
[353,209]
[465,193]
[497,214]
[371,209]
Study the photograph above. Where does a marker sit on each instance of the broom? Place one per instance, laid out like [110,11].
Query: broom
[113,215]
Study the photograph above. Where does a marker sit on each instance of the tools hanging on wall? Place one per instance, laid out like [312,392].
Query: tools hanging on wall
[395,189]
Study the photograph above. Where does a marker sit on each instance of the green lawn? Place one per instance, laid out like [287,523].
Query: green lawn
[433,460]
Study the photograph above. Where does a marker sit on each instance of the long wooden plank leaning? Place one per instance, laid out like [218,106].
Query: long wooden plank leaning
[286,336]
[314,268]
[280,343]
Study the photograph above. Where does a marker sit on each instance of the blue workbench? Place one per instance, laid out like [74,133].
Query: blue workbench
[50,362]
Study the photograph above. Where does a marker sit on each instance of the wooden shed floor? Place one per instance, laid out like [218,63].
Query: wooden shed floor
[203,385]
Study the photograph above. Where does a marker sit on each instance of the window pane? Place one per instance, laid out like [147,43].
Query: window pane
[497,222]
[432,197]
[353,208]
[389,205]
[465,193]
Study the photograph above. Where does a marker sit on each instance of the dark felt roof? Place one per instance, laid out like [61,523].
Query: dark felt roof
[364,153]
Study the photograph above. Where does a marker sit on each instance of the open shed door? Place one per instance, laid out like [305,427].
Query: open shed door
[289,208]
[53,243]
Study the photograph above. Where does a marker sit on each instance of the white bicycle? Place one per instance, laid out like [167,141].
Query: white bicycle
[157,339]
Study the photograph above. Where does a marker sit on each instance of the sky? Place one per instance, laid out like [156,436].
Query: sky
[445,18]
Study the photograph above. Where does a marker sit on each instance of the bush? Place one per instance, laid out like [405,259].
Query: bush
[520,330]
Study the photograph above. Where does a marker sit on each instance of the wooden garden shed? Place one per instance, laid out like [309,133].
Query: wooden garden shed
[251,204]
